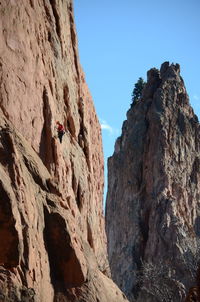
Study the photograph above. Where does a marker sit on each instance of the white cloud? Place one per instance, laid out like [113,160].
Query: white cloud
[196,97]
[107,127]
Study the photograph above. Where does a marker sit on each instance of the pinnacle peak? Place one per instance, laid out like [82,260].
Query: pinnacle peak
[169,71]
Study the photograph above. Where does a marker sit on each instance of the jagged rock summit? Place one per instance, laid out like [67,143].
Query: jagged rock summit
[153,199]
[52,237]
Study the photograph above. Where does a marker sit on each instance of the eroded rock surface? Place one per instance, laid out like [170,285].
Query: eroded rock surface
[152,208]
[53,244]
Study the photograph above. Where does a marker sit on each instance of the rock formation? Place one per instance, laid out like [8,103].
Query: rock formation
[152,207]
[52,237]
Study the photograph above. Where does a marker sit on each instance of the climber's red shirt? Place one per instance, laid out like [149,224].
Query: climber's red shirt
[60,128]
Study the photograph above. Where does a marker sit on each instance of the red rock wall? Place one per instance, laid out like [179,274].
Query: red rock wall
[53,244]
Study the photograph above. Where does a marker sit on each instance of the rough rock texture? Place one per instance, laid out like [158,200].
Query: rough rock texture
[53,245]
[152,208]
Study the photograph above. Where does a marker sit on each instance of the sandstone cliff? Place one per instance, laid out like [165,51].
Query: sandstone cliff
[53,245]
[152,208]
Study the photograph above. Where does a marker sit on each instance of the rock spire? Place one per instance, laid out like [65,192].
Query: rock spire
[153,200]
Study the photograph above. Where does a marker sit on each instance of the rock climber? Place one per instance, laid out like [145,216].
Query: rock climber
[60,130]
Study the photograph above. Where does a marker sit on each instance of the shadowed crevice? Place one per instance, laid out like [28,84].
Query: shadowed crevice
[65,269]
[9,252]
[45,151]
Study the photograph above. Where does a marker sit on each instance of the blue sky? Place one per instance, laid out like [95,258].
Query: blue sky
[119,41]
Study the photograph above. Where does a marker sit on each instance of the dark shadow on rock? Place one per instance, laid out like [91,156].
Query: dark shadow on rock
[65,269]
[45,151]
[9,252]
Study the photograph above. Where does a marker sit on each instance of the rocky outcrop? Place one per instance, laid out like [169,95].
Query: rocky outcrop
[152,208]
[53,244]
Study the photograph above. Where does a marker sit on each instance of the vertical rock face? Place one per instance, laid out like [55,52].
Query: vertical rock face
[152,208]
[53,245]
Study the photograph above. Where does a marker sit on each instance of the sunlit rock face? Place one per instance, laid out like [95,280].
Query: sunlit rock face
[152,208]
[52,237]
